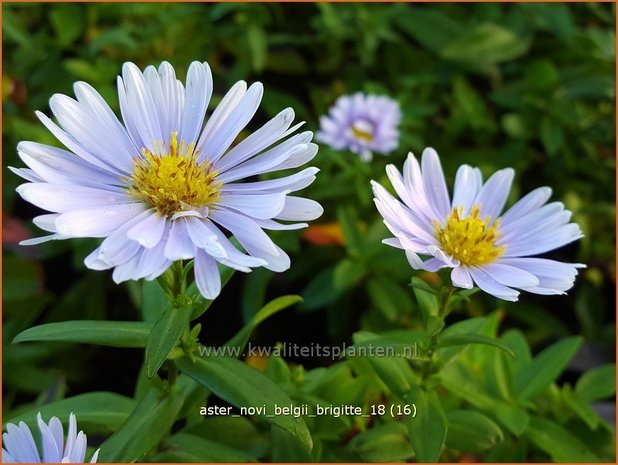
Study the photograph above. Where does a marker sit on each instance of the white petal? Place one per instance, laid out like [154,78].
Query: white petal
[267,135]
[245,230]
[56,165]
[51,451]
[96,221]
[207,275]
[197,97]
[149,231]
[460,276]
[204,238]
[19,443]
[295,148]
[527,204]
[234,258]
[64,198]
[179,245]
[263,206]
[299,209]
[467,186]
[491,286]
[290,183]
[414,260]
[492,196]
[95,456]
[27,174]
[434,183]
[92,132]
[141,107]
[511,275]
[219,142]
[70,143]
[552,240]
[228,104]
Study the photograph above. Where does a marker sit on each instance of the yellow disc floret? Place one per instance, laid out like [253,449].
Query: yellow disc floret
[471,240]
[174,180]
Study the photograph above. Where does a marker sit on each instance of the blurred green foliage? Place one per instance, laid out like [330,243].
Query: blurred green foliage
[531,86]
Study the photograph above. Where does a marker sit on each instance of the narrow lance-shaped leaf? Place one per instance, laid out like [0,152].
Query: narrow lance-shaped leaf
[268,310]
[100,412]
[243,386]
[165,335]
[105,333]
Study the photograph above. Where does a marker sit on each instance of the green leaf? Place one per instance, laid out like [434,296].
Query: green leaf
[100,412]
[288,448]
[258,44]
[471,431]
[105,333]
[243,386]
[154,301]
[582,409]
[271,308]
[470,326]
[148,424]
[347,274]
[165,335]
[426,296]
[321,290]
[559,443]
[68,22]
[206,450]
[388,296]
[597,383]
[551,134]
[348,220]
[513,417]
[430,27]
[465,339]
[383,443]
[485,45]
[395,373]
[428,429]
[545,368]
[247,436]
[389,346]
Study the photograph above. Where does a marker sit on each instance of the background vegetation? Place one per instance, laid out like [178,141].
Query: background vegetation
[531,86]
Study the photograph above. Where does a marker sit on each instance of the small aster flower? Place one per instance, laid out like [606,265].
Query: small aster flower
[469,235]
[362,124]
[163,186]
[19,445]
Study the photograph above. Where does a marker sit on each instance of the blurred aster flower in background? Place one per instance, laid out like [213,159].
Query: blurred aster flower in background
[163,186]
[362,124]
[19,445]
[468,234]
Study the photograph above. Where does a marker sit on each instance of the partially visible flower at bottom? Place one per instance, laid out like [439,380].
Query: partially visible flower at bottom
[469,235]
[19,446]
[362,124]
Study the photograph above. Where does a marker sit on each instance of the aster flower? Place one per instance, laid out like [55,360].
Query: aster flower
[19,445]
[362,124]
[469,235]
[161,186]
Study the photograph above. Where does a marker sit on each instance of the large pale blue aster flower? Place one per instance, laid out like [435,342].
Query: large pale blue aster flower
[163,186]
[469,233]
[362,124]
[19,446]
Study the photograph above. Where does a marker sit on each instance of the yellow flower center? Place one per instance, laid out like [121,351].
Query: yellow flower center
[173,181]
[471,240]
[361,134]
